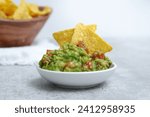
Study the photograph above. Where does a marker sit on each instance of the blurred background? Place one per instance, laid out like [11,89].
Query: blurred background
[115,18]
[125,24]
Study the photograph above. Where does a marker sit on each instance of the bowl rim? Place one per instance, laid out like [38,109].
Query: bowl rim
[113,67]
[27,20]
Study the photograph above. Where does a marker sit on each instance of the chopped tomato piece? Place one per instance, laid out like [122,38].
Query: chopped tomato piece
[101,56]
[98,55]
[82,45]
[48,51]
[89,64]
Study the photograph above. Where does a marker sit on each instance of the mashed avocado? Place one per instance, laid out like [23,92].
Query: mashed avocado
[71,58]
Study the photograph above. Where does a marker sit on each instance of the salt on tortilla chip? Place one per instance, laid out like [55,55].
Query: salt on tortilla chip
[66,36]
[91,41]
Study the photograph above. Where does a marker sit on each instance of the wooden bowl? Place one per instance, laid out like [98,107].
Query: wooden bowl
[20,32]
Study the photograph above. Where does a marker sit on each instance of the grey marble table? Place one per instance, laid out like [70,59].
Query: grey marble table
[130,81]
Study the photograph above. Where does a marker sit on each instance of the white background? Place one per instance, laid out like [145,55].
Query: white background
[115,18]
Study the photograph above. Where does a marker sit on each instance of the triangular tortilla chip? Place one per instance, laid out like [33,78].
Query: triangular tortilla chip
[90,40]
[22,12]
[66,36]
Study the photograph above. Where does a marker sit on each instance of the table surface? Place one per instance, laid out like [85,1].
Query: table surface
[130,81]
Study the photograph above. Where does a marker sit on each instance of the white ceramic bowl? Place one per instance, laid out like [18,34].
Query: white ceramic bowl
[76,79]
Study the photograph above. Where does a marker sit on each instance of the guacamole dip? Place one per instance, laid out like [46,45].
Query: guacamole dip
[71,58]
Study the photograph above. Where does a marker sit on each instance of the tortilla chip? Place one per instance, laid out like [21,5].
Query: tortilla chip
[22,12]
[8,7]
[45,11]
[2,2]
[66,36]
[91,41]
[35,11]
[2,15]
